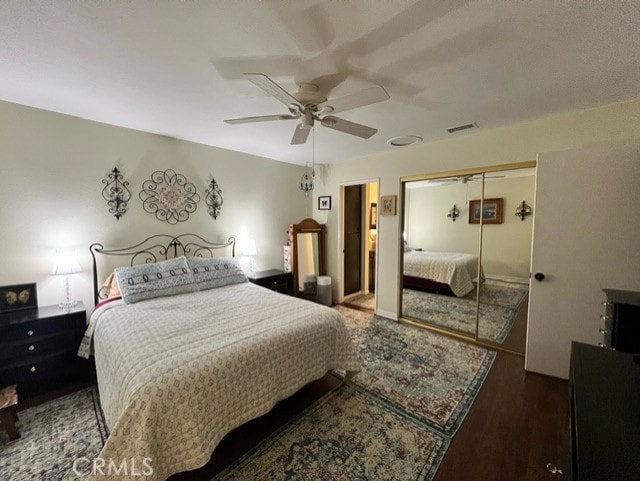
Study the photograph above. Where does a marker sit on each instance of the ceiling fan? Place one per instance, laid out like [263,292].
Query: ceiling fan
[463,179]
[309,105]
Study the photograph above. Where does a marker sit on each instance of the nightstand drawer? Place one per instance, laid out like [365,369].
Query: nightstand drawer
[35,329]
[35,346]
[274,279]
[41,372]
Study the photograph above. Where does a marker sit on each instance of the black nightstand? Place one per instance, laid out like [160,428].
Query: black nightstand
[38,348]
[274,279]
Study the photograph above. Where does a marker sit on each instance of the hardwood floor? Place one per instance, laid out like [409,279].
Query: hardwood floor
[517,424]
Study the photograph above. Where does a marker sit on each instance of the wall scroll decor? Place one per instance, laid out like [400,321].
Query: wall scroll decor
[115,192]
[454,213]
[523,210]
[388,203]
[213,199]
[169,196]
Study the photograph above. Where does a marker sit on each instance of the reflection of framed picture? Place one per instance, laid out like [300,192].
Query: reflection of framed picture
[324,202]
[491,211]
[388,205]
[15,298]
[373,217]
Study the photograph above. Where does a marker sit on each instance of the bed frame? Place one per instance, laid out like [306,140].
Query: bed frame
[156,248]
[426,285]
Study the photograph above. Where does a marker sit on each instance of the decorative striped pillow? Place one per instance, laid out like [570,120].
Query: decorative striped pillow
[147,281]
[216,272]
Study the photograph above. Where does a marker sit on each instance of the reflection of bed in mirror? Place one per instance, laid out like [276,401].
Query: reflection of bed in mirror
[444,272]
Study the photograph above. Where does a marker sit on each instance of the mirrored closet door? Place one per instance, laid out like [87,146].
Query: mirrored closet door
[465,265]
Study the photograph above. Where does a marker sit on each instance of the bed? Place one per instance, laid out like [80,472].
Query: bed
[445,272]
[177,372]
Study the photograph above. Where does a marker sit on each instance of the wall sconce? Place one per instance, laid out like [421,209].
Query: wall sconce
[213,199]
[115,192]
[454,213]
[523,210]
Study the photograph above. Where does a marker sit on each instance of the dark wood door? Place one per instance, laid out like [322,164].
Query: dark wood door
[352,239]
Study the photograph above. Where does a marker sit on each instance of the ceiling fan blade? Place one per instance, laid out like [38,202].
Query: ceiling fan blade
[272,88]
[260,118]
[364,97]
[301,134]
[347,127]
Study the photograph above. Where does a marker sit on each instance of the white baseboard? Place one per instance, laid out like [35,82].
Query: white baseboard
[518,280]
[389,315]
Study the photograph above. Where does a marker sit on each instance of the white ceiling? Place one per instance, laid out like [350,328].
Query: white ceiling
[175,68]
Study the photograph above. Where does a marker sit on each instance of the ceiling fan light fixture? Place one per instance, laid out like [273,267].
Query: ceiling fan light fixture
[404,140]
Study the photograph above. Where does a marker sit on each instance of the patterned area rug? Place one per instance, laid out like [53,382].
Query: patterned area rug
[54,435]
[429,376]
[344,436]
[499,305]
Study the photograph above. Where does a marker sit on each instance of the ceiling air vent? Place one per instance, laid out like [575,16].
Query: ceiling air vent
[453,130]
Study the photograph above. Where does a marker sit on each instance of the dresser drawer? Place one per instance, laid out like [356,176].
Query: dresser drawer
[36,329]
[275,280]
[38,372]
[28,347]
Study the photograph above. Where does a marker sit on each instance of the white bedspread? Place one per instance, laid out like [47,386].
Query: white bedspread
[453,268]
[176,374]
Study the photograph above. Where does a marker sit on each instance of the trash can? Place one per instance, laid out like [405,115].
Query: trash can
[309,286]
[324,290]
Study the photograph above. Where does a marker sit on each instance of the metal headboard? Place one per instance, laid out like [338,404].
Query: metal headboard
[157,248]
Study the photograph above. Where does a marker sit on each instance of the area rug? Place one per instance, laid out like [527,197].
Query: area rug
[53,436]
[426,375]
[499,305]
[345,436]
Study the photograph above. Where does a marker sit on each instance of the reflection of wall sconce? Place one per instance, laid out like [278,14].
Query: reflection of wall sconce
[213,199]
[115,192]
[523,210]
[453,213]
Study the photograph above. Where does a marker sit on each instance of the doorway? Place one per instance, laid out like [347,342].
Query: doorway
[358,238]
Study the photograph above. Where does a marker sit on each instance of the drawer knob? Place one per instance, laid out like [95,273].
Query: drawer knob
[31,347]
[603,317]
[603,345]
[30,332]
[33,369]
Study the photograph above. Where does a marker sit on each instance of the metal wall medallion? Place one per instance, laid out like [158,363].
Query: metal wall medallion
[213,199]
[169,196]
[116,193]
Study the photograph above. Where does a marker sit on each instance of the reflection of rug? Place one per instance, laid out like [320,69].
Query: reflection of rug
[429,376]
[368,301]
[53,436]
[344,436]
[499,304]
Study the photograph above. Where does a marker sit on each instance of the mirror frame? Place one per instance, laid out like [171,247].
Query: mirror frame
[307,226]
[482,170]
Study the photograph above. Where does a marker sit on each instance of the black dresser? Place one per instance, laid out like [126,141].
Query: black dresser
[274,279]
[621,320]
[38,348]
[605,414]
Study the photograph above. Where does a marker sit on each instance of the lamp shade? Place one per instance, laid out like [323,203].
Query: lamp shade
[65,263]
[247,247]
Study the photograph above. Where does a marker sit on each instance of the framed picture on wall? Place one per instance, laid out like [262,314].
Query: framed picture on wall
[324,202]
[491,211]
[373,216]
[18,297]
[388,203]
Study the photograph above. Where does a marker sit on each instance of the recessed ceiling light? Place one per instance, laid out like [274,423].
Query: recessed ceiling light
[404,140]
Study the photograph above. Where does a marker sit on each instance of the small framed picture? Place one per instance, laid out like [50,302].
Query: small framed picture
[388,203]
[18,297]
[491,211]
[324,202]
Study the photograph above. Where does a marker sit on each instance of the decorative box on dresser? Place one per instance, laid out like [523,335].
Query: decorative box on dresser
[38,348]
[274,279]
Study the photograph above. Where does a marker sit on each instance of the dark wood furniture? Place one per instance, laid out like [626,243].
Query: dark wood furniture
[274,279]
[605,414]
[319,233]
[621,320]
[8,415]
[38,348]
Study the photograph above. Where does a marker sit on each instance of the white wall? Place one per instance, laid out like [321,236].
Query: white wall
[515,143]
[51,168]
